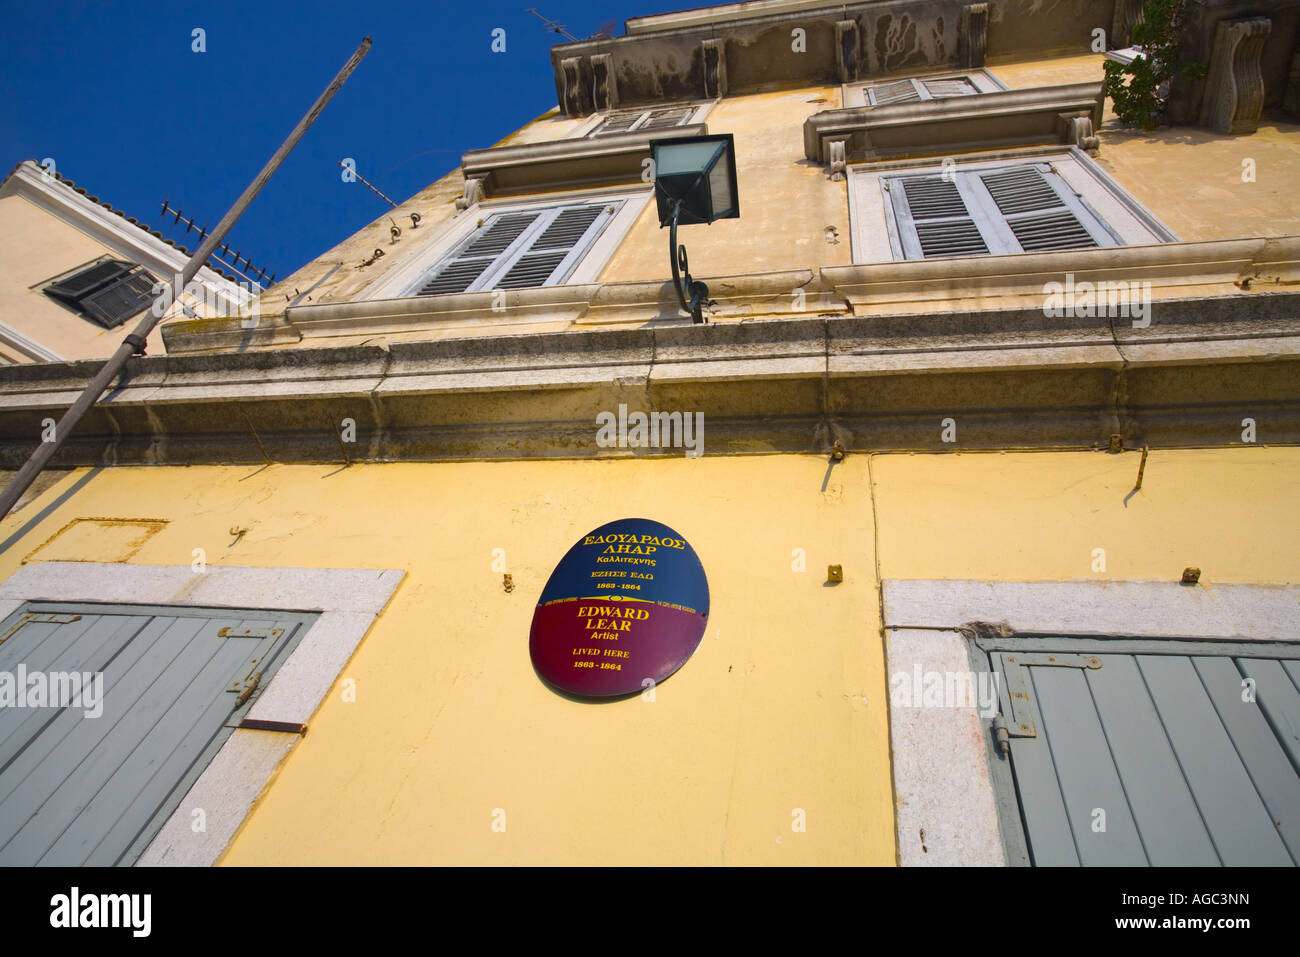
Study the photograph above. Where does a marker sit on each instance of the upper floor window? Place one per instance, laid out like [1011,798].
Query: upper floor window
[630,122]
[1012,209]
[916,89]
[992,205]
[108,292]
[519,249]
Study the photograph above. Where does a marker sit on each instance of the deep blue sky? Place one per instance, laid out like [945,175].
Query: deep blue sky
[114,94]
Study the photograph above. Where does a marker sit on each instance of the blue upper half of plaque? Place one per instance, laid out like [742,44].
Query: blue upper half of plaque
[631,551]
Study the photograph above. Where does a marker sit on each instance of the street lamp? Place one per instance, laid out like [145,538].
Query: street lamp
[695,182]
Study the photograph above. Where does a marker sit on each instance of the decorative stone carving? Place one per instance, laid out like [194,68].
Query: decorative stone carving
[1128,14]
[1077,130]
[472,194]
[848,45]
[836,156]
[715,68]
[604,86]
[972,35]
[1234,90]
[574,99]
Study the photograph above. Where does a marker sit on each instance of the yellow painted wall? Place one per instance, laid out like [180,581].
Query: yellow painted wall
[783,705]
[786,201]
[1199,194]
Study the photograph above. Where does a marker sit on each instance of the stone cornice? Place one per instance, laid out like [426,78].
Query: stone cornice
[751,47]
[961,123]
[1011,378]
[1173,270]
[566,164]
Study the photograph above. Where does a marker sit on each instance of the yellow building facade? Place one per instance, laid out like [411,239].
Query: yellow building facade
[1011,447]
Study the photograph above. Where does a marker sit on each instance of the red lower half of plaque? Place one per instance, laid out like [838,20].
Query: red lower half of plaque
[596,648]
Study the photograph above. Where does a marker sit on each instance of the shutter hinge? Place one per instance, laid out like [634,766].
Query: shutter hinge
[1021,724]
[229,632]
[248,686]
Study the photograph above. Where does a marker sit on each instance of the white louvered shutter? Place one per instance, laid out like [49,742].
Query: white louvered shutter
[520,250]
[900,91]
[1025,208]
[618,123]
[666,118]
[953,86]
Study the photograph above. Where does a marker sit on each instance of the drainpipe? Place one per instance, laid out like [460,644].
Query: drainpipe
[135,342]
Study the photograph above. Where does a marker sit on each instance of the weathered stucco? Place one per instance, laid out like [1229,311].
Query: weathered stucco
[783,706]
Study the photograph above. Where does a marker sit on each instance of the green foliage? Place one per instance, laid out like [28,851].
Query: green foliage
[1141,101]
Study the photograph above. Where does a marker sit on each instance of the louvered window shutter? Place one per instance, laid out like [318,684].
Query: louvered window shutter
[1016,209]
[109,292]
[663,119]
[521,250]
[953,86]
[933,218]
[619,123]
[900,91]
[660,119]
[461,270]
[1042,211]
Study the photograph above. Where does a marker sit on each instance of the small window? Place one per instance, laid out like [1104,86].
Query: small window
[906,91]
[660,119]
[108,293]
[1011,209]
[519,250]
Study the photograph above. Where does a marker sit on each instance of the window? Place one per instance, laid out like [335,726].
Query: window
[108,292]
[519,249]
[881,92]
[133,703]
[1009,209]
[645,120]
[1189,750]
[905,91]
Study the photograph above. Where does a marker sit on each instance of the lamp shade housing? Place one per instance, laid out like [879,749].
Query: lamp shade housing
[700,171]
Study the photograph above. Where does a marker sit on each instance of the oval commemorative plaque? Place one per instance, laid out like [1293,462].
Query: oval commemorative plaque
[627,603]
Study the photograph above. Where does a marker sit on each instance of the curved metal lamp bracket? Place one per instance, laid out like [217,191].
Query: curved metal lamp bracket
[692,295]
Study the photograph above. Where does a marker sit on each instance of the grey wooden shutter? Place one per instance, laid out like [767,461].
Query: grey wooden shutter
[1041,211]
[1186,771]
[521,250]
[933,218]
[1024,208]
[80,790]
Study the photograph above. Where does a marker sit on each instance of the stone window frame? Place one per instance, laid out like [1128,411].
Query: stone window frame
[854,94]
[948,780]
[347,600]
[873,231]
[702,110]
[418,260]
